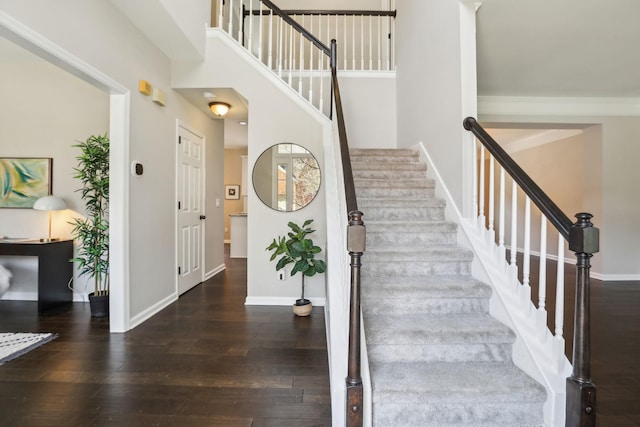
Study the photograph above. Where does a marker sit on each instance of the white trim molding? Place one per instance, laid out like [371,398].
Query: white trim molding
[514,105]
[209,274]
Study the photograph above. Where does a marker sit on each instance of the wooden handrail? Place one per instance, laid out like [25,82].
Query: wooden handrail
[390,13]
[559,220]
[356,232]
[299,28]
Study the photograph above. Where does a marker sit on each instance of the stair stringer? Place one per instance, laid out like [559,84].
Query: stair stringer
[536,351]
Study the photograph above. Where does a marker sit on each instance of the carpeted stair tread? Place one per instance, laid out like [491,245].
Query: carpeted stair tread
[425,330]
[394,183]
[380,202]
[397,175]
[411,226]
[437,358]
[386,152]
[473,382]
[424,287]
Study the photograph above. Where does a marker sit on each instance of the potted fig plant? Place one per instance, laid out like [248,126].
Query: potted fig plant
[300,251]
[92,232]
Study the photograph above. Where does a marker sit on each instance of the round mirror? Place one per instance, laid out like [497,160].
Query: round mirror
[286,177]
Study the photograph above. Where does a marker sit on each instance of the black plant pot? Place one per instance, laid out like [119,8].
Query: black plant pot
[99,305]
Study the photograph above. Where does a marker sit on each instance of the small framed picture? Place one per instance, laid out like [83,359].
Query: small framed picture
[232,192]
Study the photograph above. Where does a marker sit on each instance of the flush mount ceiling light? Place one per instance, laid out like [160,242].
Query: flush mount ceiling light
[219,108]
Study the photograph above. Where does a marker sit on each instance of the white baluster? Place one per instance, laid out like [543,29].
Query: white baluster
[279,53]
[260,36]
[221,15]
[291,46]
[501,248]
[542,282]
[526,261]
[311,51]
[270,60]
[514,229]
[321,68]
[230,18]
[301,60]
[250,46]
[240,32]
[392,61]
[361,41]
[481,218]
[474,176]
[353,42]
[344,42]
[491,235]
[379,43]
[560,288]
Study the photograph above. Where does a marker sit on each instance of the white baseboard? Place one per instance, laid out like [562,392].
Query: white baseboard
[615,277]
[154,309]
[215,271]
[283,301]
[20,296]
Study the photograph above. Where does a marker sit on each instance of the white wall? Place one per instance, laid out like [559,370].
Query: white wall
[45,111]
[276,114]
[98,35]
[369,106]
[436,84]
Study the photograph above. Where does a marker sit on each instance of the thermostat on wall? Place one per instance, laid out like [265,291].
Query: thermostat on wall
[136,168]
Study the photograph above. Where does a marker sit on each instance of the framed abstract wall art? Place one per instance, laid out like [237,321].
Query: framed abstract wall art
[24,180]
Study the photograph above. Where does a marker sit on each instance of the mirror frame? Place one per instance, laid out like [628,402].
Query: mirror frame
[266,163]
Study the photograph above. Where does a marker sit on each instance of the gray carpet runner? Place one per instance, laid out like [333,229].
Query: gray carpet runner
[437,357]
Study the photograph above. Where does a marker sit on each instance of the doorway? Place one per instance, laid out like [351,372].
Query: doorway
[190,203]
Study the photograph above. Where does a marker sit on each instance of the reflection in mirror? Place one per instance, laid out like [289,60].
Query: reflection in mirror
[286,177]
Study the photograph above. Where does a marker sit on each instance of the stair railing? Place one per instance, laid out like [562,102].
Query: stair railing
[582,238]
[367,35]
[279,42]
[307,45]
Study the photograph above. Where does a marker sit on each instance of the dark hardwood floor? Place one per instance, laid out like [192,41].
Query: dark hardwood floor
[207,360]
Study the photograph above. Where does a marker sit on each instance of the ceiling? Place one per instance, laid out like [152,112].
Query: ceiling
[560,48]
[235,134]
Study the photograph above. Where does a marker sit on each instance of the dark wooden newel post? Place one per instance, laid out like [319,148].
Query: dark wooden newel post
[581,392]
[355,245]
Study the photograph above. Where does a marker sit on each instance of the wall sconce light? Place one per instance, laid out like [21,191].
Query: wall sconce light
[49,203]
[219,108]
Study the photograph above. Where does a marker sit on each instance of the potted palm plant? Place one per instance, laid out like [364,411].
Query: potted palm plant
[300,251]
[92,232]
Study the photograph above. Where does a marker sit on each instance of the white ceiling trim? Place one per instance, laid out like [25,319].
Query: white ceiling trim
[538,139]
[510,105]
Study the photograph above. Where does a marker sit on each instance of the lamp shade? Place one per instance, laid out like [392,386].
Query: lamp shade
[49,203]
[219,108]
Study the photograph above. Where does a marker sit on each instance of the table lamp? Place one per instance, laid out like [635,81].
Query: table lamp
[49,203]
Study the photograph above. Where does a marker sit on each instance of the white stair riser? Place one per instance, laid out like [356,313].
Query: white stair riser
[438,353]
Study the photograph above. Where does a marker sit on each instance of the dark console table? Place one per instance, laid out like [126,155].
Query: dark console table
[54,268]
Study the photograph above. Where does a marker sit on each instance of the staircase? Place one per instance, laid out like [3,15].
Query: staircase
[436,356]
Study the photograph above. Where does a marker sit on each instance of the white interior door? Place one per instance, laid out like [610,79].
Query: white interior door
[190,203]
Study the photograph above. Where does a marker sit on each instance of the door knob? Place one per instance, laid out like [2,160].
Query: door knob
[203,217]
